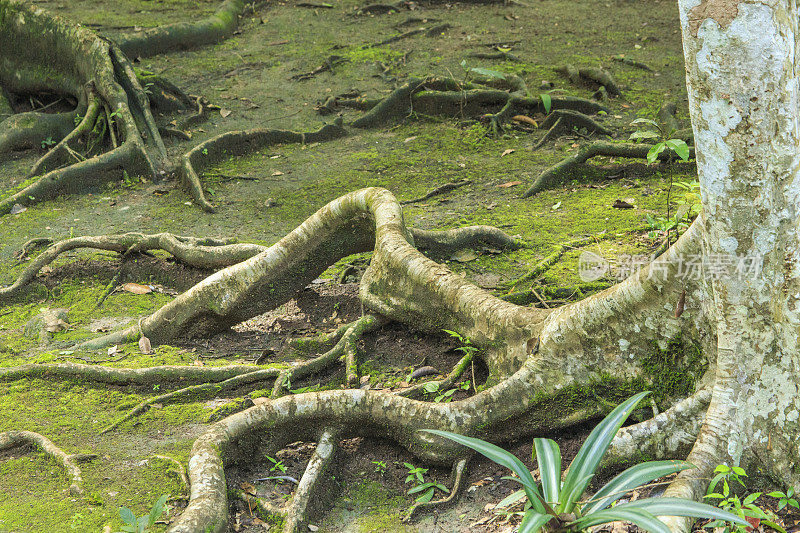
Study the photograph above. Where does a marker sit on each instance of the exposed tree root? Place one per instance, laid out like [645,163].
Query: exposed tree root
[596,75]
[545,264]
[549,294]
[631,62]
[443,385]
[447,187]
[327,66]
[564,122]
[446,96]
[459,471]
[84,57]
[235,143]
[345,348]
[560,172]
[166,375]
[200,253]
[668,435]
[12,439]
[195,392]
[180,471]
[183,35]
[33,130]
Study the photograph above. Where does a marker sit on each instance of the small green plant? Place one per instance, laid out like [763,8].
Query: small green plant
[144,523]
[380,467]
[785,498]
[204,151]
[445,396]
[277,466]
[48,142]
[467,348]
[414,472]
[745,508]
[553,505]
[644,132]
[428,488]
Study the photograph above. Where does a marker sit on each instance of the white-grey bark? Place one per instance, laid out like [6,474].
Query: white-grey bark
[744,104]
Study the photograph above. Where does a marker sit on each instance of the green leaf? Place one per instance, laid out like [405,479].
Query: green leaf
[631,478]
[682,507]
[127,516]
[431,386]
[773,525]
[639,517]
[644,134]
[644,121]
[586,462]
[548,457]
[533,521]
[511,499]
[501,457]
[776,494]
[750,498]
[425,498]
[487,72]
[739,471]
[547,102]
[420,488]
[680,147]
[158,509]
[652,155]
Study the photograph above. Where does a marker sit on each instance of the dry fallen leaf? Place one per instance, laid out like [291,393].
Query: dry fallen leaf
[16,209]
[112,350]
[248,488]
[277,173]
[409,139]
[225,112]
[506,152]
[144,345]
[136,288]
[510,184]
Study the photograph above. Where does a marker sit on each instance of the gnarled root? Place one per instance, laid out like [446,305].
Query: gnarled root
[200,253]
[668,435]
[560,172]
[235,143]
[448,97]
[182,35]
[84,57]
[12,439]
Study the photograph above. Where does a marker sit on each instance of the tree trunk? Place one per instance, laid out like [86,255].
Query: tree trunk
[743,101]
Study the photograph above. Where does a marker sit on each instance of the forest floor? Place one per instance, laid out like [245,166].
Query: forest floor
[263,196]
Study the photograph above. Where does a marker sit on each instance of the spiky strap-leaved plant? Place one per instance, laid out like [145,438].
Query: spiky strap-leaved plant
[555,505]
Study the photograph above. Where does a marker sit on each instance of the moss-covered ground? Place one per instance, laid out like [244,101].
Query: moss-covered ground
[248,75]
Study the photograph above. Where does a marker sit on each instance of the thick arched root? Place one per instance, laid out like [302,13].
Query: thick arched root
[236,143]
[560,172]
[199,253]
[12,439]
